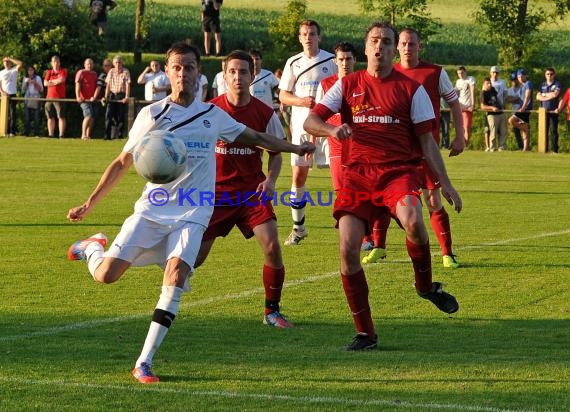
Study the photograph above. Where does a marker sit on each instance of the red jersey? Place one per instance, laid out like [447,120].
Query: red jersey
[437,84]
[386,116]
[335,145]
[57,91]
[88,83]
[566,101]
[240,167]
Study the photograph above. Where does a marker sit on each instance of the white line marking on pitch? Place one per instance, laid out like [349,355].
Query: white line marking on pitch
[271,397]
[94,323]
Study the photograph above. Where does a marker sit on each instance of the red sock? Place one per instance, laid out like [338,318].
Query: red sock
[421,260]
[440,224]
[356,291]
[273,283]
[380,230]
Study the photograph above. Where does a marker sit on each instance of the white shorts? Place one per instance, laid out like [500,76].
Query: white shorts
[143,242]
[321,155]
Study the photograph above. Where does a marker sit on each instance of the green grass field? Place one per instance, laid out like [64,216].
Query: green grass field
[68,344]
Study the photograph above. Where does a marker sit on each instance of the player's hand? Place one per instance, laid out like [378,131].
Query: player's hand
[309,102]
[457,146]
[342,132]
[306,148]
[77,213]
[451,195]
[266,189]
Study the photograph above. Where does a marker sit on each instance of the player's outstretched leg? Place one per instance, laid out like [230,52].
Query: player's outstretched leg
[77,250]
[273,284]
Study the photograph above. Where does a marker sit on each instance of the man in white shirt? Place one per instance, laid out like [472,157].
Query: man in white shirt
[9,87]
[298,87]
[156,83]
[264,82]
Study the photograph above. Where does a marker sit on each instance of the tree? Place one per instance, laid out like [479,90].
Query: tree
[284,30]
[514,27]
[403,13]
[35,30]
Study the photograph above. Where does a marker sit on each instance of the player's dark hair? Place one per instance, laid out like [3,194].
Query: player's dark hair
[183,47]
[255,52]
[344,47]
[239,55]
[380,25]
[310,23]
[550,69]
[411,30]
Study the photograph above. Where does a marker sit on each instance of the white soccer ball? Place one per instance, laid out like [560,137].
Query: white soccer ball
[160,157]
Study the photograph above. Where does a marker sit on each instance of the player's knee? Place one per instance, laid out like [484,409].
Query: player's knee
[106,275]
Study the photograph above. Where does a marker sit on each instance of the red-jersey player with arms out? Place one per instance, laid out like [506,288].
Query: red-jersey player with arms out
[437,84]
[239,171]
[389,119]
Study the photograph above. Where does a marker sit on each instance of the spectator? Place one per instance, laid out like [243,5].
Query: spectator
[565,101]
[264,82]
[156,83]
[490,103]
[32,88]
[370,102]
[85,87]
[55,79]
[117,94]
[548,97]
[102,86]
[298,85]
[465,86]
[9,87]
[219,85]
[514,97]
[521,118]
[98,13]
[210,18]
[500,86]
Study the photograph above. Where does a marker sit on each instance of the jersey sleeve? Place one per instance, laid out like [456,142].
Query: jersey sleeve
[274,127]
[446,89]
[287,82]
[421,112]
[332,99]
[142,124]
[229,128]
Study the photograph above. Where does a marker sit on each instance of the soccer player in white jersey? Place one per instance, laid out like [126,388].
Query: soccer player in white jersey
[167,231]
[264,81]
[298,87]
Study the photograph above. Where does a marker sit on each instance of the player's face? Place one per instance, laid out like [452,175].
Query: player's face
[309,38]
[345,62]
[409,48]
[486,85]
[154,66]
[256,63]
[380,47]
[237,76]
[182,71]
[88,64]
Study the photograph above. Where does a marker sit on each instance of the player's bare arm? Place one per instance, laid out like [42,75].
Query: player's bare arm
[290,99]
[111,176]
[273,170]
[269,142]
[458,144]
[318,127]
[435,161]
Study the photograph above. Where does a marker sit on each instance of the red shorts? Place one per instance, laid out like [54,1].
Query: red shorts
[367,189]
[244,216]
[430,178]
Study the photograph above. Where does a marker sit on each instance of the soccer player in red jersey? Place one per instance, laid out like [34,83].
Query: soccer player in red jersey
[389,119]
[242,189]
[435,80]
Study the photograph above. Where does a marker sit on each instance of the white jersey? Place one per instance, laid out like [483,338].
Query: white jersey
[301,76]
[200,125]
[201,87]
[262,86]
[219,84]
[159,80]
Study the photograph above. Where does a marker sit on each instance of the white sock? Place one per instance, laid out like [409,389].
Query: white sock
[298,215]
[94,254]
[169,301]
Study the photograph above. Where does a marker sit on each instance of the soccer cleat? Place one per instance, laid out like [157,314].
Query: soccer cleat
[374,256]
[443,300]
[295,237]
[367,245]
[143,374]
[450,262]
[362,342]
[77,250]
[277,319]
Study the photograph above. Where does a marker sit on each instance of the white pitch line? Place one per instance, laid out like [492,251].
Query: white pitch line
[319,400]
[94,323]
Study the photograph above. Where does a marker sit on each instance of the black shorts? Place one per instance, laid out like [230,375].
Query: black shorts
[525,117]
[211,24]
